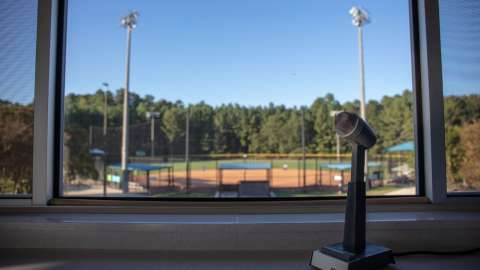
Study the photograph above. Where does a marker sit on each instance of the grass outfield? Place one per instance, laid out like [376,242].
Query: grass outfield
[276,163]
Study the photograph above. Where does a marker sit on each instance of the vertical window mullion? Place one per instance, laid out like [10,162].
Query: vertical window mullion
[432,100]
[417,98]
[44,102]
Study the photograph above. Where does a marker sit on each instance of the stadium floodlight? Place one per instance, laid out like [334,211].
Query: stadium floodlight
[152,114]
[353,253]
[105,104]
[359,16]
[128,22]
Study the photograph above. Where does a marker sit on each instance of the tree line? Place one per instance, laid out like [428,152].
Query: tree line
[228,128]
[234,128]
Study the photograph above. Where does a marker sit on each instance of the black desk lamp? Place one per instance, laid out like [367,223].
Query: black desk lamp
[354,253]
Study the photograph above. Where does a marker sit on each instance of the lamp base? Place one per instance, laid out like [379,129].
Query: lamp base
[334,257]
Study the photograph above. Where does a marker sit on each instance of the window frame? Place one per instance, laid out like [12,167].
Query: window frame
[430,71]
[44,87]
[62,30]
[428,114]
[456,195]
[27,199]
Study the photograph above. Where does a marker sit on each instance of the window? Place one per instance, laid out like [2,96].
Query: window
[17,74]
[233,99]
[461,80]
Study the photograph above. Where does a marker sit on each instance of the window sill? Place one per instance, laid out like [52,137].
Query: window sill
[444,230]
[110,206]
[326,205]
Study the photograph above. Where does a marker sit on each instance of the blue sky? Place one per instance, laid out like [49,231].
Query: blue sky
[250,52]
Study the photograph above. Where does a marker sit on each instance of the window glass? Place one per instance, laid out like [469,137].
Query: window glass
[18,19]
[233,98]
[460,39]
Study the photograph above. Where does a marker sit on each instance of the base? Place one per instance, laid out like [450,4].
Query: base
[334,257]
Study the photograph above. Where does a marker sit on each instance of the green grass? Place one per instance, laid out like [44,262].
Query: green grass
[276,163]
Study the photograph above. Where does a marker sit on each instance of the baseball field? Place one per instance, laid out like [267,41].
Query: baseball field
[289,177]
[286,177]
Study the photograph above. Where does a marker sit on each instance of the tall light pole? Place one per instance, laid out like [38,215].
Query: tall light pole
[187,150]
[359,19]
[105,104]
[152,116]
[245,156]
[303,151]
[128,22]
[332,114]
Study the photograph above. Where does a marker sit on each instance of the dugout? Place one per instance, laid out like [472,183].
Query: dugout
[114,173]
[375,172]
[246,188]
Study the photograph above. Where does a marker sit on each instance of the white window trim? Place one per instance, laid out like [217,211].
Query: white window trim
[432,99]
[45,69]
